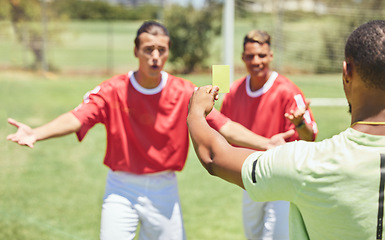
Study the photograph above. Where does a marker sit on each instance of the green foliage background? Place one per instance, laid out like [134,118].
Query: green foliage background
[304,42]
[190,33]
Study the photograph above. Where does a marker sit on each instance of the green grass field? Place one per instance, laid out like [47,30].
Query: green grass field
[55,190]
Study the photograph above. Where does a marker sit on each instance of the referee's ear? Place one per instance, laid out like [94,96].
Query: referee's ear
[346,72]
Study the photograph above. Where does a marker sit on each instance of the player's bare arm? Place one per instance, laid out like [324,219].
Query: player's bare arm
[305,131]
[25,135]
[215,153]
[238,135]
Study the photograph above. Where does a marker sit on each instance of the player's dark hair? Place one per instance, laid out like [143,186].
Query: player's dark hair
[153,28]
[257,36]
[365,47]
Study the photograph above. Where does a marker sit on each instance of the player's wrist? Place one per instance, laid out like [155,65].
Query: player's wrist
[301,124]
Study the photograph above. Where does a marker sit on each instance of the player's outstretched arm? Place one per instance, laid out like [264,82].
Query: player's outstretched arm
[64,124]
[236,134]
[215,153]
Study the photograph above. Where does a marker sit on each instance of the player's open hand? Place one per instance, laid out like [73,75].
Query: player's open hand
[24,134]
[279,139]
[296,116]
[203,99]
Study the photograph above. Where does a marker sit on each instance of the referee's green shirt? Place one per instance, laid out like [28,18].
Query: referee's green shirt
[333,185]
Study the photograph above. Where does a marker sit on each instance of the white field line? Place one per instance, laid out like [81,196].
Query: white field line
[315,102]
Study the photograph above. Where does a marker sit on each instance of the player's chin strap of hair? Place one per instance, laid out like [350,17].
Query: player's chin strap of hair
[367,123]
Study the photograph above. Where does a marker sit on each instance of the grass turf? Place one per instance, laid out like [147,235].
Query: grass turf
[55,190]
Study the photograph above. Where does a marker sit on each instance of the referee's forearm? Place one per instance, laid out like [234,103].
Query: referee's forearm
[208,143]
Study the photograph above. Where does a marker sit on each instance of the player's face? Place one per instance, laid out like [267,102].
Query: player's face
[257,58]
[152,53]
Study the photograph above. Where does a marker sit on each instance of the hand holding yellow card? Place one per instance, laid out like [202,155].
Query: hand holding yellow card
[221,77]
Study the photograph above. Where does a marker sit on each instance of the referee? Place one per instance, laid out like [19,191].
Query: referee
[335,187]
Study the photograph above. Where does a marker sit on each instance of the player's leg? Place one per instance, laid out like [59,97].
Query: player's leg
[119,219]
[253,217]
[276,221]
[160,211]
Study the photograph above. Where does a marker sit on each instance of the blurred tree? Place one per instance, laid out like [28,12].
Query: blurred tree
[191,31]
[29,22]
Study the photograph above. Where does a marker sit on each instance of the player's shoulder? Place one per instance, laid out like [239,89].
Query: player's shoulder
[283,80]
[284,84]
[180,80]
[179,83]
[237,88]
[239,83]
[113,85]
[116,81]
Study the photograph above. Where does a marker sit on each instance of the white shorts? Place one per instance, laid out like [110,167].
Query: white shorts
[150,199]
[265,220]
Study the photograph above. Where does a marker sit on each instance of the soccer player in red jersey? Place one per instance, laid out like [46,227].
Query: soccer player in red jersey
[267,103]
[144,113]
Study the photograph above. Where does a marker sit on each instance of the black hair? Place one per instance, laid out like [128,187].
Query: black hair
[153,28]
[365,47]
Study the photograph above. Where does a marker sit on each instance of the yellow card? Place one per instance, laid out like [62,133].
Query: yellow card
[221,77]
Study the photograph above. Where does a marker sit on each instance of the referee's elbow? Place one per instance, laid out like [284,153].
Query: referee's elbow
[208,163]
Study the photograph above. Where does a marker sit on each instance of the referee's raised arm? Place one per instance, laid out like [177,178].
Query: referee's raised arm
[215,153]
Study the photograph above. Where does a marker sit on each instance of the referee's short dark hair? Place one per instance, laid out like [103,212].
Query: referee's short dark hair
[365,48]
